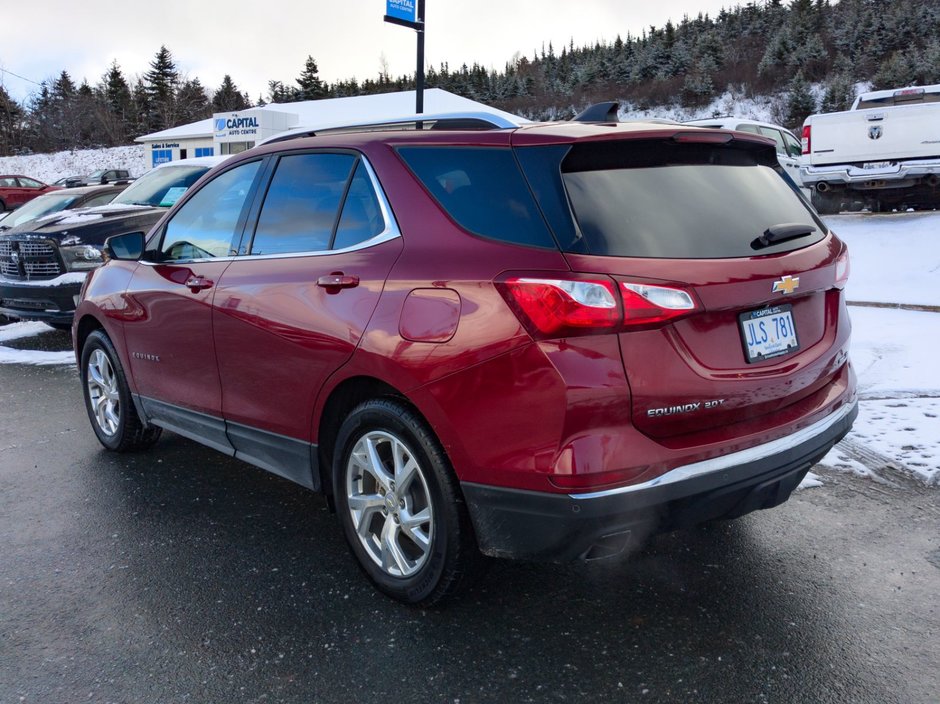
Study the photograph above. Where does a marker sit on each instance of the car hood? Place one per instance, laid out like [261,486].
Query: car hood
[89,225]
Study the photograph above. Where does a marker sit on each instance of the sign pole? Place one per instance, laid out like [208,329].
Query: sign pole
[410,13]
[419,74]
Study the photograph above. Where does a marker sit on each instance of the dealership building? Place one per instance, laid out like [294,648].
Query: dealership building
[234,132]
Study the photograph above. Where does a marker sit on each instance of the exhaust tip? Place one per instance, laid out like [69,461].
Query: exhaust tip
[822,187]
[608,546]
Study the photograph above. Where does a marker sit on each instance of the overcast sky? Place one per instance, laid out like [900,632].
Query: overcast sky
[255,41]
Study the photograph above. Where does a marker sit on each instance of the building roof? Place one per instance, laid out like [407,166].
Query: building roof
[383,106]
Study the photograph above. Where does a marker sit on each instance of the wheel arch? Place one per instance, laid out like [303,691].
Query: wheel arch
[344,397]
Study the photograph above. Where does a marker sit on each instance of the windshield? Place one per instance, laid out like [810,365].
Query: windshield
[37,207]
[160,187]
[97,174]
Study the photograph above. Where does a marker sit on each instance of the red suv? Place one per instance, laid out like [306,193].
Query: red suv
[543,342]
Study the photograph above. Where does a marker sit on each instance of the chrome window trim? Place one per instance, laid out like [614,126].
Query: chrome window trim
[718,464]
[390,232]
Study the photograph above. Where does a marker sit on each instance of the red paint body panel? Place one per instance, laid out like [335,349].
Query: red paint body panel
[280,335]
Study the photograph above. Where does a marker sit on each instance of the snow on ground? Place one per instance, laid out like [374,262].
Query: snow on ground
[894,257]
[51,167]
[16,331]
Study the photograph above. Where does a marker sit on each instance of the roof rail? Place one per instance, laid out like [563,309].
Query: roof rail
[433,121]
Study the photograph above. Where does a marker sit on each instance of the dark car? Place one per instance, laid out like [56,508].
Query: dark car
[16,190]
[56,201]
[44,262]
[544,342]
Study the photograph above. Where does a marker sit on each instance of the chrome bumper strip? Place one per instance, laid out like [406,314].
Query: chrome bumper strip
[717,464]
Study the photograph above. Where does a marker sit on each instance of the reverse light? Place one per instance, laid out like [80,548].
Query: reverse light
[560,307]
[644,304]
[842,269]
[807,141]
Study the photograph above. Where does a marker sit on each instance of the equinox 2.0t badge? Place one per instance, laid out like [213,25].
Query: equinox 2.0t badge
[684,408]
[788,284]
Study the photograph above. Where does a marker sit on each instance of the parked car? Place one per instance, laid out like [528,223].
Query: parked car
[884,153]
[104,176]
[69,181]
[789,150]
[56,201]
[16,190]
[43,263]
[543,342]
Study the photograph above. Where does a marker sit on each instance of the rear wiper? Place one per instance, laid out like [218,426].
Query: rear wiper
[781,233]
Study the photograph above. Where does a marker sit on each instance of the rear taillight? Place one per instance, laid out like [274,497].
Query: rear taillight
[550,307]
[807,141]
[647,305]
[842,268]
[562,307]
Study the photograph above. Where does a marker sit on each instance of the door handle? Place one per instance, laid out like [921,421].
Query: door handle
[198,283]
[338,280]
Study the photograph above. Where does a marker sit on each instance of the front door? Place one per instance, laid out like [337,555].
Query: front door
[169,341]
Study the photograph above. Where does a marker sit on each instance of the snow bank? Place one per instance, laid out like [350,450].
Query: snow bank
[52,167]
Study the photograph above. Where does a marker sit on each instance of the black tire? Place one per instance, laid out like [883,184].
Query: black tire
[428,561]
[3,205]
[105,389]
[826,204]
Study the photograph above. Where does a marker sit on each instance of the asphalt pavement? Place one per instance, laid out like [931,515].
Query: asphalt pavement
[179,575]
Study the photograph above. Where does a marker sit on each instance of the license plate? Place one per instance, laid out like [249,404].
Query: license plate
[877,165]
[768,333]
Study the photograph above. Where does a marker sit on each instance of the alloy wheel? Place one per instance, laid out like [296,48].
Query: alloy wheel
[103,393]
[389,503]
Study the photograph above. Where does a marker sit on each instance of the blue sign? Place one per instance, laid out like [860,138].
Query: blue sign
[402,9]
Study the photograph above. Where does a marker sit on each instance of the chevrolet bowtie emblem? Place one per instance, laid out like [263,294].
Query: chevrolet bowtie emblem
[788,284]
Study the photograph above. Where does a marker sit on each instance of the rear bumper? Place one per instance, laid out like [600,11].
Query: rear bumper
[899,175]
[51,302]
[558,527]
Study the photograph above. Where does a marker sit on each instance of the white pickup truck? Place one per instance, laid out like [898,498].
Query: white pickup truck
[884,153]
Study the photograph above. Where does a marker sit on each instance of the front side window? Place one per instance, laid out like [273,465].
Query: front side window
[302,203]
[29,183]
[206,226]
[776,136]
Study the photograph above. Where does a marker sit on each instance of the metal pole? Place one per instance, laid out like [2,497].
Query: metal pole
[419,87]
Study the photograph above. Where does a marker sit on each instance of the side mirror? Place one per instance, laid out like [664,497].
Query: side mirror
[129,246]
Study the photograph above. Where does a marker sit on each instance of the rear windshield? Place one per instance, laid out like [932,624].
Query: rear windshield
[685,201]
[900,98]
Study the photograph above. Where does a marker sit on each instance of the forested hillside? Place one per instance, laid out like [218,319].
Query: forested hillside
[766,48]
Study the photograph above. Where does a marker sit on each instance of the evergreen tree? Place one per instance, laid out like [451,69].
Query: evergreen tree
[800,103]
[227,98]
[161,83]
[11,125]
[192,103]
[311,87]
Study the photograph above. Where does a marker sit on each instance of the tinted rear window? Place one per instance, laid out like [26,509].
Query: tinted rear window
[482,189]
[683,201]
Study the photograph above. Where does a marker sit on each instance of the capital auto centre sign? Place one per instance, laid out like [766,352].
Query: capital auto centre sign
[236,125]
[402,9]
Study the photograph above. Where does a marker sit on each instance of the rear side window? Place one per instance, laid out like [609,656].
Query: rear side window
[482,189]
[362,215]
[683,201]
[302,204]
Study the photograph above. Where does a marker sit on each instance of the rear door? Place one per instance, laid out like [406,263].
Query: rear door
[755,324]
[292,308]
